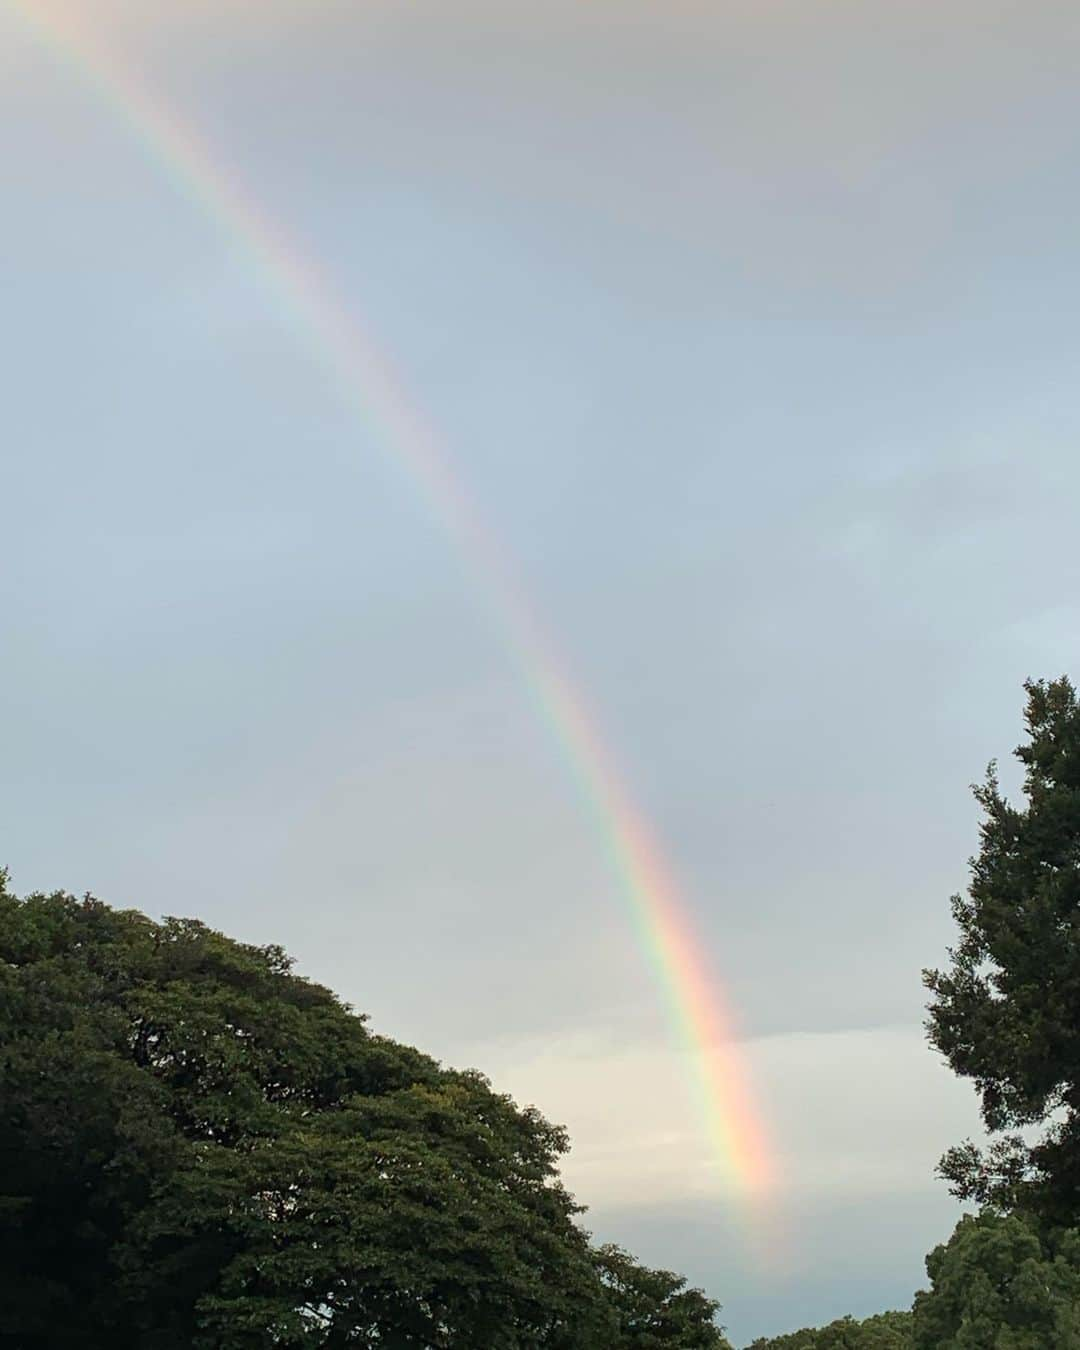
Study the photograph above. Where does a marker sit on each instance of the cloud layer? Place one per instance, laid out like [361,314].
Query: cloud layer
[751,328]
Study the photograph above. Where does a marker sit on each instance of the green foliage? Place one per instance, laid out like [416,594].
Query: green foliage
[200,1149]
[1005,1014]
[997,1285]
[654,1309]
[886,1331]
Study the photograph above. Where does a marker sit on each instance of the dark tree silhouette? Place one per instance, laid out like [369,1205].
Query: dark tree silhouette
[198,1148]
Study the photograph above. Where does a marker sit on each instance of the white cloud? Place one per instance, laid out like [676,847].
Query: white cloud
[851,1113]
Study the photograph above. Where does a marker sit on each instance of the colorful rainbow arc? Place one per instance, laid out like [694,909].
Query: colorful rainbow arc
[659,917]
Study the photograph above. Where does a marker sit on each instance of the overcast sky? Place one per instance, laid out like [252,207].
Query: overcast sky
[752,328]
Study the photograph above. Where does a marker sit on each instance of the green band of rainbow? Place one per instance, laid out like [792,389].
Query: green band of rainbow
[659,917]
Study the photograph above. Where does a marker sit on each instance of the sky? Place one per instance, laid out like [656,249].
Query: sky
[750,329]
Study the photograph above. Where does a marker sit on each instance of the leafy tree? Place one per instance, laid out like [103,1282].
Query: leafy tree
[997,1285]
[1007,1012]
[1007,1015]
[654,1309]
[198,1148]
[886,1331]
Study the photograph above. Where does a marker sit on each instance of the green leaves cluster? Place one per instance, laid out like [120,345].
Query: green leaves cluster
[1006,1014]
[999,1284]
[886,1331]
[198,1148]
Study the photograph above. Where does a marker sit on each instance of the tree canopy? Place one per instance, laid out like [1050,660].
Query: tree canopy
[199,1148]
[999,1284]
[1006,1013]
[886,1331]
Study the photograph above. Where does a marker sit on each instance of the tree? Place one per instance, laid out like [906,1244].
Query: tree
[886,1331]
[654,1309]
[1007,1015]
[1007,1012]
[198,1148]
[998,1285]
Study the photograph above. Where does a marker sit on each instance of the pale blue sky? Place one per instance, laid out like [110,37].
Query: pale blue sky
[752,328]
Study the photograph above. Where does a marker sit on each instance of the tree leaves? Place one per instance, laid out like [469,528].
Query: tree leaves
[998,1284]
[198,1148]
[1007,1012]
[886,1331]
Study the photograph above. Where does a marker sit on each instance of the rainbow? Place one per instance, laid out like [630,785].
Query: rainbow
[696,1010]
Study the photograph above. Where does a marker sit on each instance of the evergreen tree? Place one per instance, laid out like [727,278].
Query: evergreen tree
[1006,1014]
